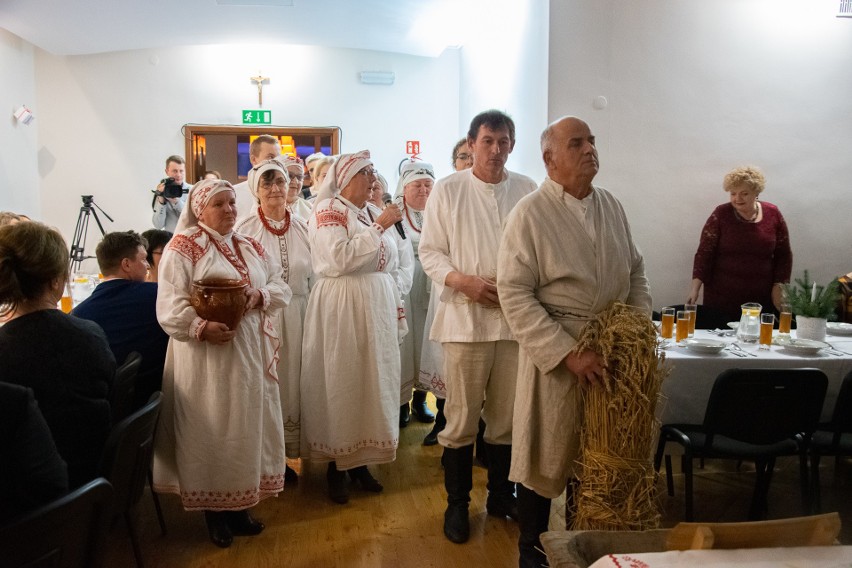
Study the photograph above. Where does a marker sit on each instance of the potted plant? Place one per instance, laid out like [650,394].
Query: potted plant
[812,305]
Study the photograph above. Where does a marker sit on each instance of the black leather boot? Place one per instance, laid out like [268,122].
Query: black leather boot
[458,480]
[217,528]
[404,415]
[241,523]
[501,492]
[440,423]
[533,518]
[419,409]
[337,489]
[481,455]
[363,476]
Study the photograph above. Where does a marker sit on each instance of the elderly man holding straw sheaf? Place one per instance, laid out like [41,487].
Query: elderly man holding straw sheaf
[565,256]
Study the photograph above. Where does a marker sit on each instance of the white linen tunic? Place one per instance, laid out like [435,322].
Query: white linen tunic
[220,439]
[461,232]
[292,253]
[350,355]
[552,277]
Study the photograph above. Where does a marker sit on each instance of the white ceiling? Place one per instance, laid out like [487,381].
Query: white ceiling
[75,27]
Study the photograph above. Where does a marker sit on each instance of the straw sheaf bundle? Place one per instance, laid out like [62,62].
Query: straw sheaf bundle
[616,490]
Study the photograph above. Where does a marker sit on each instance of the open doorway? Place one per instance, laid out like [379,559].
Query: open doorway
[225,149]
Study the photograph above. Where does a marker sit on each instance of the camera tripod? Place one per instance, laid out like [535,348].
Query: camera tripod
[78,242]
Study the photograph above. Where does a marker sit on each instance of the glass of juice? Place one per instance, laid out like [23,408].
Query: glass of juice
[682,329]
[691,311]
[667,325]
[785,319]
[767,321]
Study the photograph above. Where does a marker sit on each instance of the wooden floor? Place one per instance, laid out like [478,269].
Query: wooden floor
[402,527]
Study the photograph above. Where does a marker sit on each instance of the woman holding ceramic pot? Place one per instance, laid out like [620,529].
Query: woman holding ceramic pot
[220,440]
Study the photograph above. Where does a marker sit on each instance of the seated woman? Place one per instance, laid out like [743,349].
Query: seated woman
[65,360]
[744,254]
[157,240]
[32,472]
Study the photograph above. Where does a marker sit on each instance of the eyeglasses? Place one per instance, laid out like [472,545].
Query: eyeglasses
[369,172]
[464,157]
[296,177]
[268,184]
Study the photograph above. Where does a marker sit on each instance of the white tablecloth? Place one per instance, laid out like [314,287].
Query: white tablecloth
[794,557]
[687,388]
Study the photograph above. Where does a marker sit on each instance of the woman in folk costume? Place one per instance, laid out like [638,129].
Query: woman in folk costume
[355,319]
[220,441]
[284,237]
[412,191]
[296,172]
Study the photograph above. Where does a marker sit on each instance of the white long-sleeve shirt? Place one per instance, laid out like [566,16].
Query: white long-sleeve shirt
[462,229]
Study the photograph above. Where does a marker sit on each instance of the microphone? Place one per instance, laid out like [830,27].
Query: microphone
[387,199]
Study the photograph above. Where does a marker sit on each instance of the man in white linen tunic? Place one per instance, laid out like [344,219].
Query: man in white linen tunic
[462,227]
[566,254]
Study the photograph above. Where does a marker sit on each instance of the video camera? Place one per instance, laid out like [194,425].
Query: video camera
[172,189]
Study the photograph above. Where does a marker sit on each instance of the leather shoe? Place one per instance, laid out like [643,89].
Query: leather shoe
[404,415]
[363,476]
[502,506]
[420,410]
[217,528]
[431,438]
[241,523]
[457,523]
[337,490]
[290,475]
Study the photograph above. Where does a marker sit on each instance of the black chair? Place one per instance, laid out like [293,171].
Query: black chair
[832,438]
[121,397]
[70,532]
[752,414]
[126,461]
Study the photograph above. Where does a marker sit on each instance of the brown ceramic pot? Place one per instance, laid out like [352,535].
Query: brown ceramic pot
[219,299]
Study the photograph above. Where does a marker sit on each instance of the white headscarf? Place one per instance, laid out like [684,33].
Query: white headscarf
[412,171]
[290,161]
[257,171]
[340,174]
[199,197]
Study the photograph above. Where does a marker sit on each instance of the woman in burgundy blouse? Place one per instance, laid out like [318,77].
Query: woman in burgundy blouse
[744,254]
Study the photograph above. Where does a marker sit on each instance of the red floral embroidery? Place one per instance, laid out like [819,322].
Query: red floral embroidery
[383,261]
[352,448]
[187,246]
[235,258]
[258,248]
[236,499]
[332,218]
[400,313]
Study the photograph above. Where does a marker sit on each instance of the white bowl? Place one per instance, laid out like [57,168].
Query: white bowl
[733,324]
[838,328]
[704,345]
[800,346]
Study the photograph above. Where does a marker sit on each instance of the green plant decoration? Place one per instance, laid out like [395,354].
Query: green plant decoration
[804,302]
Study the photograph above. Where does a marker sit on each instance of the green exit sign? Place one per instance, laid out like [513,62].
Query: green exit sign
[257,117]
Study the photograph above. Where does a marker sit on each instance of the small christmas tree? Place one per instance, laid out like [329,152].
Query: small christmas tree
[811,300]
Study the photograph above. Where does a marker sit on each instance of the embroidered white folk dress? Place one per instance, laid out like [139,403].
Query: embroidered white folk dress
[220,439]
[350,355]
[286,243]
[560,263]
[416,305]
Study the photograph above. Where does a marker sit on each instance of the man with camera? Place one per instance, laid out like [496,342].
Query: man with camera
[170,195]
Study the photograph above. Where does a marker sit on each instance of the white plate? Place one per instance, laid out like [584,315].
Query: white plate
[704,345]
[838,328]
[801,346]
[733,324]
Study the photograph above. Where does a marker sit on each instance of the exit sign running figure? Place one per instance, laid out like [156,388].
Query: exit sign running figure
[257,117]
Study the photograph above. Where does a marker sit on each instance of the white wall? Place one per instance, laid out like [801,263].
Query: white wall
[504,65]
[19,187]
[108,121]
[698,88]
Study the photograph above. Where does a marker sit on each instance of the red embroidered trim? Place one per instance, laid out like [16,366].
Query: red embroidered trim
[229,500]
[186,246]
[383,261]
[277,232]
[332,218]
[400,313]
[434,380]
[258,248]
[407,216]
[381,444]
[236,260]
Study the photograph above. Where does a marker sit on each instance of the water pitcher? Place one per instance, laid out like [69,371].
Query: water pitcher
[749,328]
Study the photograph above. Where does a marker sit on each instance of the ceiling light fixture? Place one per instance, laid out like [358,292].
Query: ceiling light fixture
[377,77]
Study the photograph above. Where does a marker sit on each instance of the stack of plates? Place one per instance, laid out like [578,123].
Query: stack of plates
[800,346]
[838,328]
[704,345]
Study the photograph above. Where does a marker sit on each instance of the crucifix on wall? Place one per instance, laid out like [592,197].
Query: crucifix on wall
[260,80]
